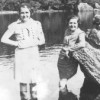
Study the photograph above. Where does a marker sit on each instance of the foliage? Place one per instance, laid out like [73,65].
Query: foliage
[37,4]
[91,1]
[44,4]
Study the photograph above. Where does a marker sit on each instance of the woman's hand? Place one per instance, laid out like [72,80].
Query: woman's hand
[66,40]
[66,49]
[67,52]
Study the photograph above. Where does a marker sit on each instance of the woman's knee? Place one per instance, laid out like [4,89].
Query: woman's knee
[63,86]
[23,91]
[33,91]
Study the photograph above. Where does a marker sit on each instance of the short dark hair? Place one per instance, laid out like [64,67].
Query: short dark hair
[73,17]
[23,5]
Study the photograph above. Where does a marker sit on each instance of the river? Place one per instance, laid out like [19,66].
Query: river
[54,25]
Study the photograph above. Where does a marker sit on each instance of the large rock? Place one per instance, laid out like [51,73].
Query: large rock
[89,57]
[97,5]
[96,11]
[84,7]
[94,36]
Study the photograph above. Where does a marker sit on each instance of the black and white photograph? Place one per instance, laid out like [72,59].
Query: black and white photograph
[49,49]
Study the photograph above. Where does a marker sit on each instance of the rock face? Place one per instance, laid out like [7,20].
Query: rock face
[94,36]
[89,57]
[84,7]
[97,6]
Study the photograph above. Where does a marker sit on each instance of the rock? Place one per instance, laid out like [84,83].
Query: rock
[97,6]
[84,7]
[94,36]
[96,11]
[89,57]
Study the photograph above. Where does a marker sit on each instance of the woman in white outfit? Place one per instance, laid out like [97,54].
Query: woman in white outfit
[29,35]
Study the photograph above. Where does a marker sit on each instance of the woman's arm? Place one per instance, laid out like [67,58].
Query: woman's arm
[65,46]
[41,39]
[88,33]
[6,38]
[80,44]
[66,41]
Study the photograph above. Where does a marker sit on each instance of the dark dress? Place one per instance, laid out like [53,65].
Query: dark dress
[68,66]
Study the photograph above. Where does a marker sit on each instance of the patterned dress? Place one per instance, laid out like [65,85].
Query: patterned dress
[26,54]
[68,66]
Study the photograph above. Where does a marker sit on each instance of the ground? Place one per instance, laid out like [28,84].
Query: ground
[49,88]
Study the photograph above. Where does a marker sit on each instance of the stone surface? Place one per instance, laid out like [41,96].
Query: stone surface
[94,36]
[97,5]
[84,7]
[89,57]
[49,74]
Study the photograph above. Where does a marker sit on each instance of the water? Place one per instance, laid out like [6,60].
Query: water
[54,25]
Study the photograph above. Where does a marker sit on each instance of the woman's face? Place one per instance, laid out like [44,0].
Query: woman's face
[24,14]
[73,24]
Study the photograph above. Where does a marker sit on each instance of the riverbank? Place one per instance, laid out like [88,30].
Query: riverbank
[48,71]
[8,12]
[38,11]
[47,11]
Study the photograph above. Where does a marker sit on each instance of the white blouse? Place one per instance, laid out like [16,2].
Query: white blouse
[27,33]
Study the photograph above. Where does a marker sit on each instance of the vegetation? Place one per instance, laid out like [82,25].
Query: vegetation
[91,2]
[44,4]
[37,4]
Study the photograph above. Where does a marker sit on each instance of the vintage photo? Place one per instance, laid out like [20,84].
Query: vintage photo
[49,50]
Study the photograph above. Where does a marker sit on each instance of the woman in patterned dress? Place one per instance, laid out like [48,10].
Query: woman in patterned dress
[29,35]
[74,39]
